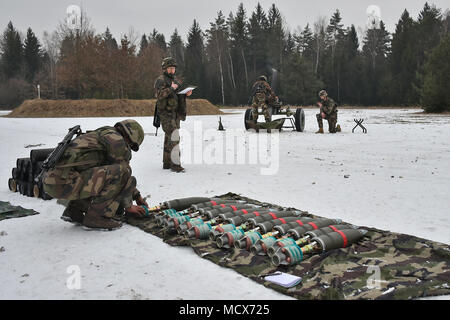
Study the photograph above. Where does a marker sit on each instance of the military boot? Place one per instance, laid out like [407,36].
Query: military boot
[166,166]
[96,221]
[177,168]
[320,130]
[338,128]
[74,213]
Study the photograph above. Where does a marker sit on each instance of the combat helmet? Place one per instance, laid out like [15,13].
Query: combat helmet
[168,62]
[323,93]
[134,132]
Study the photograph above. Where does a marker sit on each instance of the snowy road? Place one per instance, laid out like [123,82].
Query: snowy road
[396,177]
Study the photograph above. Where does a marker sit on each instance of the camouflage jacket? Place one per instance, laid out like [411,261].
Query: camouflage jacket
[263,87]
[328,106]
[104,146]
[167,99]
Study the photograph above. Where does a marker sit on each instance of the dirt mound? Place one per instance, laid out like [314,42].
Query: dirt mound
[39,108]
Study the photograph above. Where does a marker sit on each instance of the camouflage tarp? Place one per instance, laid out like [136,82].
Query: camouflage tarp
[8,211]
[406,266]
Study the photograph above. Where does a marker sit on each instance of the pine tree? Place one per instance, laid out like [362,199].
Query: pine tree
[195,60]
[143,44]
[403,63]
[350,68]
[176,50]
[110,41]
[257,28]
[275,38]
[428,30]
[239,46]
[335,32]
[217,49]
[32,55]
[434,94]
[158,39]
[306,43]
[376,49]
[446,23]
[333,55]
[300,85]
[427,36]
[12,52]
[289,46]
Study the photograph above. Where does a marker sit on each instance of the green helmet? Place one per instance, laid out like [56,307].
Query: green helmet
[168,62]
[264,78]
[323,93]
[134,132]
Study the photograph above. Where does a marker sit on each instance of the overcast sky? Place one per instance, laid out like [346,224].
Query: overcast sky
[166,15]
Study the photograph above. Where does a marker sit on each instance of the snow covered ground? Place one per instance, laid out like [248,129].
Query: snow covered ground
[396,177]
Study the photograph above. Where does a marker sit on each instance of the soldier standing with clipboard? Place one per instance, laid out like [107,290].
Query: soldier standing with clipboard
[171,108]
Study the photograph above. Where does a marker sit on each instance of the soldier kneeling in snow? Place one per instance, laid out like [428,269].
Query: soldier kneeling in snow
[328,111]
[94,174]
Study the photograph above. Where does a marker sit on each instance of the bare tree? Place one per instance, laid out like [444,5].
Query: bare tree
[320,26]
[133,36]
[52,48]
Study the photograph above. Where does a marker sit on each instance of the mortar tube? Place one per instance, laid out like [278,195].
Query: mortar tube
[300,231]
[339,239]
[214,203]
[241,242]
[260,247]
[173,223]
[189,224]
[227,239]
[189,217]
[221,229]
[213,212]
[279,258]
[280,244]
[284,228]
[184,203]
[243,214]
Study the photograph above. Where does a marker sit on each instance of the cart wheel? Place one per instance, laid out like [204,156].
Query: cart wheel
[247,117]
[12,184]
[299,120]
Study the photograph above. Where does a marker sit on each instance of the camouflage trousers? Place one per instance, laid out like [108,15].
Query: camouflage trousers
[171,124]
[265,109]
[259,101]
[101,189]
[332,121]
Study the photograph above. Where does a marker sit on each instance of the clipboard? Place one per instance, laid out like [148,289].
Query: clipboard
[187,90]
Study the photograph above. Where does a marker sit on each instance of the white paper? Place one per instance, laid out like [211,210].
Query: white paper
[284,279]
[186,90]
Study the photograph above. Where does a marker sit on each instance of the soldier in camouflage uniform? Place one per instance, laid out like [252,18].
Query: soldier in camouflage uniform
[171,109]
[94,174]
[263,97]
[328,111]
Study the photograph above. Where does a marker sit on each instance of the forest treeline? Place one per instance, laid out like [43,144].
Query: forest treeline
[408,67]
